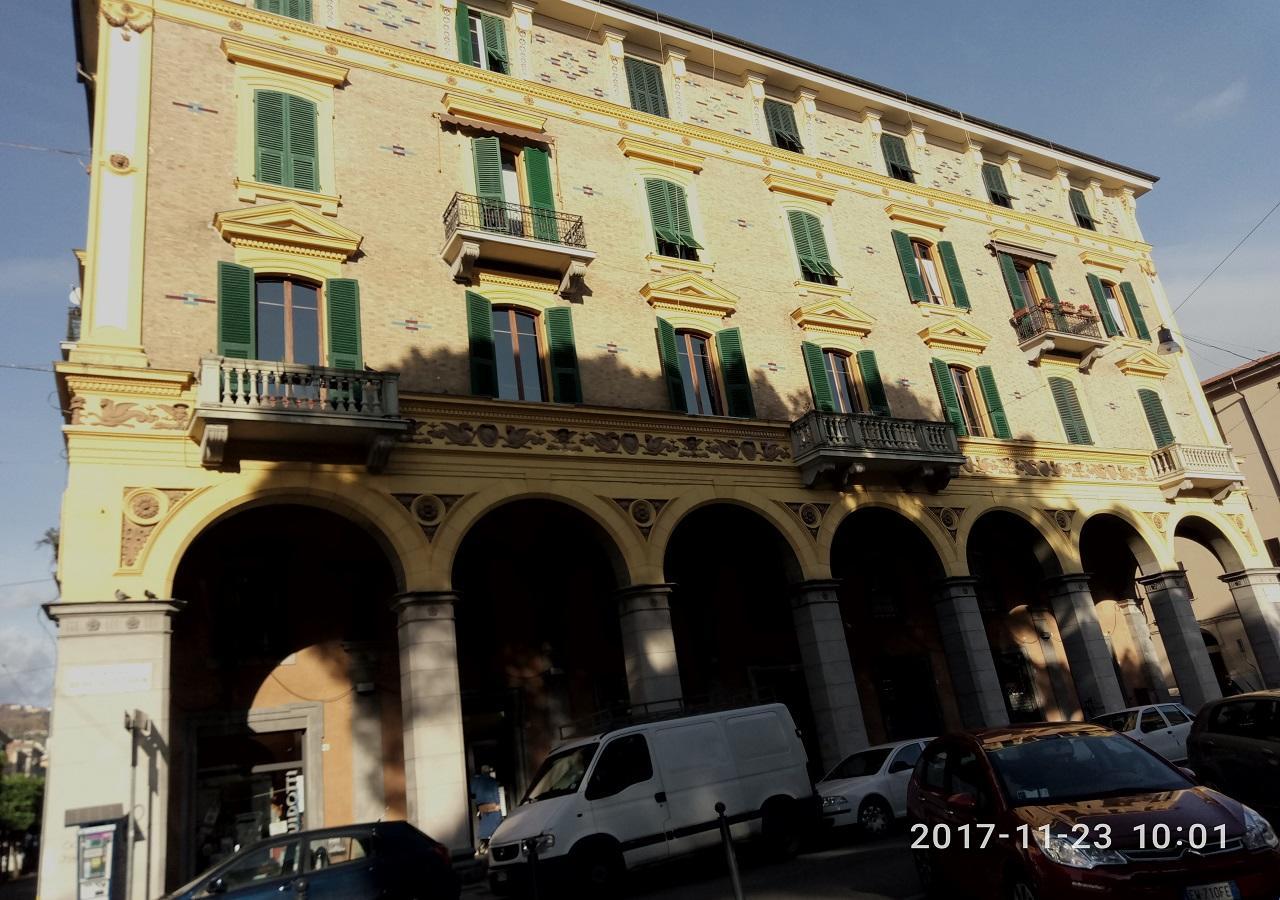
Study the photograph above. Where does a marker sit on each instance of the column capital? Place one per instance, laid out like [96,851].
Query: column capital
[418,605]
[112,618]
[815,592]
[637,597]
[872,120]
[955,582]
[755,81]
[1163,581]
[1262,574]
[676,56]
[613,39]
[1068,582]
[917,132]
[807,96]
[522,13]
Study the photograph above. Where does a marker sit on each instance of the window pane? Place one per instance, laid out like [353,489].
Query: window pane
[909,755]
[505,353]
[1117,310]
[530,363]
[706,376]
[934,769]
[269,862]
[336,850]
[305,303]
[623,763]
[928,271]
[1151,721]
[968,403]
[1173,714]
[477,40]
[1028,289]
[844,389]
[270,316]
[511,192]
[697,374]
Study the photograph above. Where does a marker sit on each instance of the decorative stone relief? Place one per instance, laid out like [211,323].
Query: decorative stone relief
[642,513]
[1048,468]
[1242,525]
[1061,518]
[810,514]
[1158,520]
[949,518]
[122,14]
[429,510]
[143,510]
[129,414]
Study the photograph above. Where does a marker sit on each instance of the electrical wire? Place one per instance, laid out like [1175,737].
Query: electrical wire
[1227,257]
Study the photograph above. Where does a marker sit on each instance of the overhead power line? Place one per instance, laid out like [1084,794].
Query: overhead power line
[1227,257]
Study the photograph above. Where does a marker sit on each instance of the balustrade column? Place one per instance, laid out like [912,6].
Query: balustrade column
[969,660]
[828,670]
[649,645]
[1170,599]
[1087,652]
[1140,633]
[1257,596]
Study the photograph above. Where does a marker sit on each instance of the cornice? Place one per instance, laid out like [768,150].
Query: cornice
[666,154]
[833,316]
[1097,259]
[1144,363]
[269,58]
[691,293]
[807,188]
[917,215]
[287,226]
[955,333]
[486,109]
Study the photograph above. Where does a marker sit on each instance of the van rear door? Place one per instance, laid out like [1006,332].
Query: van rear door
[627,801]
[698,771]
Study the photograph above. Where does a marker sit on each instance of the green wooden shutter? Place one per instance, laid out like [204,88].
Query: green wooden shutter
[342,314]
[1080,209]
[818,246]
[897,164]
[1100,301]
[495,43]
[484,366]
[679,205]
[1069,411]
[811,243]
[1135,311]
[1156,419]
[462,28]
[236,320]
[910,271]
[669,209]
[298,9]
[269,136]
[872,383]
[1010,273]
[300,160]
[995,407]
[947,394]
[734,374]
[487,155]
[1046,281]
[566,383]
[780,119]
[271,6]
[823,395]
[671,365]
[951,267]
[993,179]
[542,196]
[644,85]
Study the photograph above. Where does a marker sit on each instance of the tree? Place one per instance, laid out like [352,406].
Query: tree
[51,539]
[21,800]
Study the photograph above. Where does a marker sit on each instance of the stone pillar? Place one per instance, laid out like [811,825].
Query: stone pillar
[113,659]
[1257,596]
[613,39]
[1136,621]
[368,797]
[964,639]
[522,17]
[649,645]
[828,670]
[754,83]
[1090,659]
[676,57]
[807,100]
[435,766]
[874,158]
[1170,599]
[449,30]
[1065,698]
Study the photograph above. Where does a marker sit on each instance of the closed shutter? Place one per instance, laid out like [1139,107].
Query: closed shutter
[495,43]
[896,162]
[995,407]
[671,365]
[811,243]
[1080,209]
[910,270]
[947,394]
[566,383]
[236,320]
[1135,311]
[301,169]
[872,383]
[342,315]
[298,9]
[951,267]
[484,367]
[993,179]
[1069,411]
[819,382]
[1156,419]
[271,6]
[462,28]
[781,121]
[1104,308]
[644,84]
[542,197]
[734,374]
[268,136]
[1010,273]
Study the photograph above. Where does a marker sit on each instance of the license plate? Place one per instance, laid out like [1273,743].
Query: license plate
[1223,890]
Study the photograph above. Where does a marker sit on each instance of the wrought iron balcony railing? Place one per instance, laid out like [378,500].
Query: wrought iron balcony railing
[842,443]
[466,212]
[1037,321]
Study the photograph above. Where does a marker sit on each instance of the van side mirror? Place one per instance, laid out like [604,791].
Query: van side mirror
[217,886]
[900,766]
[1190,774]
[962,803]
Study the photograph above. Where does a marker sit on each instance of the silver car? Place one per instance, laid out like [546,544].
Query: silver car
[1161,726]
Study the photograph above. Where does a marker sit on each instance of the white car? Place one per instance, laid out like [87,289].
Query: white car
[1162,726]
[869,788]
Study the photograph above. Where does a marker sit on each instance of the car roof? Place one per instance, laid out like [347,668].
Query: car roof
[1272,694]
[1004,735]
[1127,709]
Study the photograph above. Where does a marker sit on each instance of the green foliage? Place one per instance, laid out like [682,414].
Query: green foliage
[21,798]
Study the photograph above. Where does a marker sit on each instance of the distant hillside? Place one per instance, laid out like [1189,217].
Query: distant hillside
[31,722]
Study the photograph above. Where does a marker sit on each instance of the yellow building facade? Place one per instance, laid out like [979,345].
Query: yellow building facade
[455,377]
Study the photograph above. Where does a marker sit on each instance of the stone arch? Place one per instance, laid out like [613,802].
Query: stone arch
[1210,530]
[1054,551]
[1143,542]
[914,512]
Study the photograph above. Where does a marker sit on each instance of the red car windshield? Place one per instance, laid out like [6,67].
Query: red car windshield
[1069,767]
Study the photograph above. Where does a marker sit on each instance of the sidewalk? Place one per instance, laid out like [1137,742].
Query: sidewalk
[21,889]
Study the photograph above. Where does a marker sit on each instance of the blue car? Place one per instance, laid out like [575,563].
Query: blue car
[383,860]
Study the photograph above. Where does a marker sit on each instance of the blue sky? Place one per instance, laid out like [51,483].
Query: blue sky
[1179,88]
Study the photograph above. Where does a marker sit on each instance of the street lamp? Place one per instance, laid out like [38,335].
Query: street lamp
[1167,344]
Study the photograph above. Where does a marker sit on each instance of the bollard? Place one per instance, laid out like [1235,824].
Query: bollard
[728,852]
[531,849]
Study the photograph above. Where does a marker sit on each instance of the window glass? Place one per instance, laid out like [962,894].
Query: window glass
[933,774]
[478,55]
[1111,294]
[1152,720]
[511,192]
[337,850]
[270,324]
[968,777]
[1121,721]
[515,344]
[623,762]
[1065,768]
[867,762]
[844,389]
[561,773]
[1174,715]
[908,755]
[287,320]
[1029,290]
[928,271]
[697,371]
[304,308]
[968,402]
[1242,718]
[274,861]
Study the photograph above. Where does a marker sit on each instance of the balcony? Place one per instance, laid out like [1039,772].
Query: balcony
[1184,468]
[1059,329]
[290,409]
[489,233]
[841,446]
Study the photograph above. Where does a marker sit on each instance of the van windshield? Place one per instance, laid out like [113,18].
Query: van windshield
[561,773]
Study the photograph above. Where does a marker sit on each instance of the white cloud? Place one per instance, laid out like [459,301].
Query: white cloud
[1216,106]
[26,666]
[38,276]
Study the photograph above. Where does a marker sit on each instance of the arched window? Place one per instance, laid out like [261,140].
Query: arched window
[1119,308]
[287,319]
[844,385]
[845,382]
[931,271]
[971,400]
[519,354]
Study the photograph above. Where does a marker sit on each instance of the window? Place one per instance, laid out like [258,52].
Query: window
[969,776]
[482,40]
[934,771]
[337,850]
[781,120]
[516,350]
[967,401]
[997,193]
[509,358]
[1119,308]
[285,140]
[697,371]
[669,212]
[1080,209]
[906,758]
[1157,421]
[644,85]
[1151,721]
[811,247]
[860,765]
[844,389]
[971,400]
[1069,411]
[1028,281]
[274,861]
[623,762]
[928,269]
[931,271]
[294,9]
[896,163]
[287,314]
[835,386]
[510,177]
[1241,718]
[1174,715]
[695,382]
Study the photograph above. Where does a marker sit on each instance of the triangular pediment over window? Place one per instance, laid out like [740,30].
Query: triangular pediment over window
[287,227]
[1144,362]
[690,292]
[955,333]
[834,316]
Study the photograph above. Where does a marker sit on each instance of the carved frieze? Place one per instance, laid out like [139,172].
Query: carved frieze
[1050,469]
[104,412]
[143,510]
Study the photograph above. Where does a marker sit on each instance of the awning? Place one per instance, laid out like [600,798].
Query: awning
[522,134]
[1023,252]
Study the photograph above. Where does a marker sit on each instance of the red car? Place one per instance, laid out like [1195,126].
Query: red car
[1076,810]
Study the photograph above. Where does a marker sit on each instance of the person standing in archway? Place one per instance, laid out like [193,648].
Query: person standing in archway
[486,798]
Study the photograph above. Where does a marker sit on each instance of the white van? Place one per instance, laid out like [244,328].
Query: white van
[644,793]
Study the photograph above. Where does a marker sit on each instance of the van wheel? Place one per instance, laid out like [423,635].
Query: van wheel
[597,869]
[875,817]
[780,827]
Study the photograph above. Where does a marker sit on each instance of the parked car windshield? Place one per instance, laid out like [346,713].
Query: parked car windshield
[1120,721]
[561,773]
[868,762]
[1069,767]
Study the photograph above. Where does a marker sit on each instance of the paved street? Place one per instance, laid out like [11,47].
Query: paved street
[20,889]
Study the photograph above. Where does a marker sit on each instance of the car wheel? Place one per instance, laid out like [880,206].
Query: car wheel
[875,817]
[780,828]
[597,870]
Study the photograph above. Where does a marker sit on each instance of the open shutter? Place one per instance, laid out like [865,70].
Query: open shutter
[1010,273]
[821,260]
[484,366]
[462,27]
[947,394]
[951,268]
[993,179]
[678,203]
[1156,418]
[542,197]
[236,323]
[897,164]
[871,382]
[342,314]
[300,160]
[811,243]
[495,43]
[995,407]
[671,365]
[268,136]
[644,85]
[1104,308]
[1080,209]
[1045,274]
[1073,423]
[823,396]
[910,271]
[734,374]
[659,196]
[800,235]
[781,121]
[1135,311]
[566,383]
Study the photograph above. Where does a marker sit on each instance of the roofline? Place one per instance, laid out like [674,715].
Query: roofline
[711,34]
[1244,370]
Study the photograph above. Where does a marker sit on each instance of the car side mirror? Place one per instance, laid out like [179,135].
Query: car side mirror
[962,803]
[217,886]
[900,766]
[1190,774]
